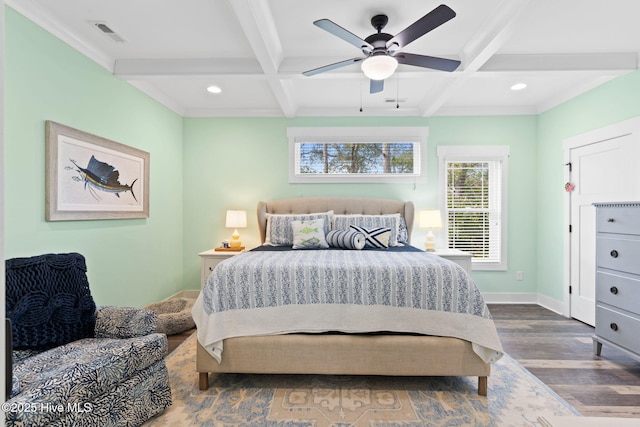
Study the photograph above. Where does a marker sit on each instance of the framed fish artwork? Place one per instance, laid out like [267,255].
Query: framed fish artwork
[89,177]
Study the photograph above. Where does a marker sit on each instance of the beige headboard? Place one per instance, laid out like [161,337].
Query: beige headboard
[339,205]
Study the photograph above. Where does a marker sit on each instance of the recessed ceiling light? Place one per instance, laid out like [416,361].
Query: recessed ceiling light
[214,89]
[518,86]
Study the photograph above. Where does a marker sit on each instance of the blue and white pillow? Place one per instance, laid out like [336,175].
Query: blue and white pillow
[309,234]
[346,239]
[377,237]
[391,221]
[279,232]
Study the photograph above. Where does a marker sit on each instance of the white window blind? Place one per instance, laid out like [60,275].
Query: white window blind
[473,208]
[473,195]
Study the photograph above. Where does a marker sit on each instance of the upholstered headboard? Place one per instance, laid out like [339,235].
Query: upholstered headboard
[339,205]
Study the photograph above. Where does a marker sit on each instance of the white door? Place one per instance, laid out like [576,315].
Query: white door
[602,171]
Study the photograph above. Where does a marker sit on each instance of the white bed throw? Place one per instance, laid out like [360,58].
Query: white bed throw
[314,291]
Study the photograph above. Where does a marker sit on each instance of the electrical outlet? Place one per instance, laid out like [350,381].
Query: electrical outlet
[518,275]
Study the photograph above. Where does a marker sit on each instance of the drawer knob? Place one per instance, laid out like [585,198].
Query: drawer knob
[614,326]
[610,220]
[614,290]
[614,253]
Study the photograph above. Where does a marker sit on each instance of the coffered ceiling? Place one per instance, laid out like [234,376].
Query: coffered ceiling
[256,50]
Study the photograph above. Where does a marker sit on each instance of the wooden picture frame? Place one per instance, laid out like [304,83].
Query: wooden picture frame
[90,178]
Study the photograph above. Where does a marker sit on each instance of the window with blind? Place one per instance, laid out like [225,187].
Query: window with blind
[473,182]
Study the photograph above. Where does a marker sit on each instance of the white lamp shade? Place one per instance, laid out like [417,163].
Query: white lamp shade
[430,219]
[379,67]
[236,219]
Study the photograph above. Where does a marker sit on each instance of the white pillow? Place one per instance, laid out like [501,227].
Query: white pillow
[376,237]
[279,231]
[391,221]
[309,234]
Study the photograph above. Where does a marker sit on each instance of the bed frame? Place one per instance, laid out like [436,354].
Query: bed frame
[344,354]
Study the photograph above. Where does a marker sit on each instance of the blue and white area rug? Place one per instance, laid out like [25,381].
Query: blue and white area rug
[515,398]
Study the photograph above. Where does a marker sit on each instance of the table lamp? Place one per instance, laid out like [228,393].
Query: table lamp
[430,219]
[235,220]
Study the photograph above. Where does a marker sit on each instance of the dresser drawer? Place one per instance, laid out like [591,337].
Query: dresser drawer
[618,291]
[619,220]
[618,254]
[618,328]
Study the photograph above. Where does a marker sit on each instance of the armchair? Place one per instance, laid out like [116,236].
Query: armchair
[75,363]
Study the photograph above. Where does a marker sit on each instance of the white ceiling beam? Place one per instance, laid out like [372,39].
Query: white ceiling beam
[623,61]
[256,20]
[137,68]
[481,47]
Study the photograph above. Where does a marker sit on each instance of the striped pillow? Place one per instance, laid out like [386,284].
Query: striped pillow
[346,239]
[377,237]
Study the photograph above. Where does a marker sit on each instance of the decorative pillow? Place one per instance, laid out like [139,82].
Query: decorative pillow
[124,322]
[309,234]
[391,221]
[279,231]
[403,232]
[346,239]
[48,300]
[377,237]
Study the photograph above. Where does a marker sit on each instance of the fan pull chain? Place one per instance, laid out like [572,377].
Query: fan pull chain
[398,91]
[361,95]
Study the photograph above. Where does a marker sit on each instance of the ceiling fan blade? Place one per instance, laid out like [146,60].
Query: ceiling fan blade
[345,35]
[376,86]
[422,26]
[442,64]
[332,66]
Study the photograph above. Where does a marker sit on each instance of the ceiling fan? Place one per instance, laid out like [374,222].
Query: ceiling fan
[381,50]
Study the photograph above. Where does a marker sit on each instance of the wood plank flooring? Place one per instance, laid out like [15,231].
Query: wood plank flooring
[559,351]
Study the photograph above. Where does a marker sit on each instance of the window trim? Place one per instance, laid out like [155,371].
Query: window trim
[418,135]
[478,153]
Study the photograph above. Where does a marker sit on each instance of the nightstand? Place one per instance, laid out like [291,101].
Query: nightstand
[463,259]
[209,259]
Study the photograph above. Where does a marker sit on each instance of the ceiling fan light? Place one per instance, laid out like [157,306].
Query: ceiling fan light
[379,67]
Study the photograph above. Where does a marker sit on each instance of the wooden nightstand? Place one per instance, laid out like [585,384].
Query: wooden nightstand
[209,259]
[459,257]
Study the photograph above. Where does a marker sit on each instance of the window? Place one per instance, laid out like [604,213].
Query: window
[473,182]
[348,154]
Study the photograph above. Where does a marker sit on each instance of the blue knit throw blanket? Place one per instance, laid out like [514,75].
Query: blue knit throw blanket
[48,300]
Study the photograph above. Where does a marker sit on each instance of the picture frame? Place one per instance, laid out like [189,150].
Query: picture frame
[91,178]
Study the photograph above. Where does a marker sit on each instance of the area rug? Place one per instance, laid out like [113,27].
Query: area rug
[515,398]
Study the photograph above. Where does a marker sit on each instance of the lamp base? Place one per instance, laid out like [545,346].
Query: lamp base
[430,243]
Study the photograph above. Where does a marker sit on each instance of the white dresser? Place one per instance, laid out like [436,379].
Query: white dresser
[618,277]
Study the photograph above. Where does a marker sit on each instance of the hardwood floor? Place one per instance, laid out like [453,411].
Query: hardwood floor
[559,351]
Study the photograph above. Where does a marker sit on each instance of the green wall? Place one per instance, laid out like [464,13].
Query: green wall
[609,103]
[130,262]
[235,163]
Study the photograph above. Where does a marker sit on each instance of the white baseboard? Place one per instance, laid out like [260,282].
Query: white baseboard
[524,298]
[510,298]
[184,294]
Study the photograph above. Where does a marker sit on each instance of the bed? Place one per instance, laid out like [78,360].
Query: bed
[327,327]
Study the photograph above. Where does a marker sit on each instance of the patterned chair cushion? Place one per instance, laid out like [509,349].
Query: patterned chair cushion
[83,370]
[48,300]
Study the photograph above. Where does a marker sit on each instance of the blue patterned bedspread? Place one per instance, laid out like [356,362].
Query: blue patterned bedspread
[274,292]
